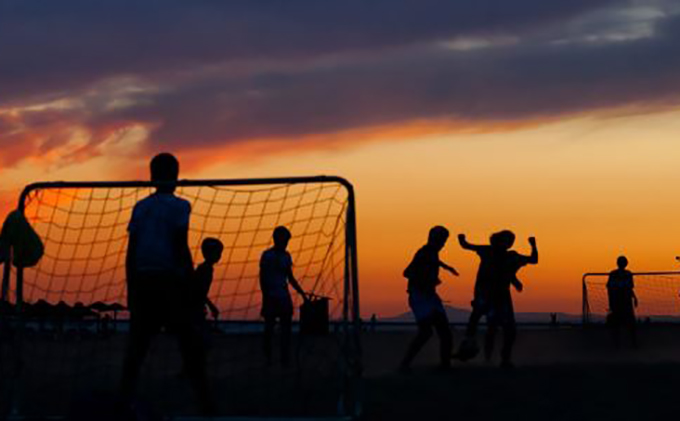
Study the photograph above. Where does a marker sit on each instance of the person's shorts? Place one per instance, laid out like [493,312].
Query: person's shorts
[277,307]
[425,305]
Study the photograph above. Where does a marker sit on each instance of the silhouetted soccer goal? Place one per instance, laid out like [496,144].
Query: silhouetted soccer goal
[658,296]
[67,326]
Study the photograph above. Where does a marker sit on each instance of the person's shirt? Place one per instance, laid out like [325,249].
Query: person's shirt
[620,279]
[275,265]
[490,262]
[423,271]
[155,223]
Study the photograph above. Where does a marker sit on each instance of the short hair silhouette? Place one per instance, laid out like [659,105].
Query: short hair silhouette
[622,262]
[281,235]
[504,239]
[438,233]
[164,167]
[211,248]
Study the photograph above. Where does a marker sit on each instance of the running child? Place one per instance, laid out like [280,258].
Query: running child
[276,272]
[423,277]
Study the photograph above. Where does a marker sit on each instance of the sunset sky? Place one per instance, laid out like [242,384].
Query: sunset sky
[558,119]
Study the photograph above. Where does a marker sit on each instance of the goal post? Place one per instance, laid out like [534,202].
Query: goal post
[658,296]
[70,317]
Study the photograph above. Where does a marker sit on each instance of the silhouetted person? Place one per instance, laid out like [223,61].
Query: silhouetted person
[622,300]
[276,272]
[423,277]
[491,261]
[501,312]
[211,248]
[158,267]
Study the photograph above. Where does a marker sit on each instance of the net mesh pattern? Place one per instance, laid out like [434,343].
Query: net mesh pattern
[73,344]
[658,296]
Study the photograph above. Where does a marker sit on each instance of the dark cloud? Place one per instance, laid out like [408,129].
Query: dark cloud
[52,47]
[176,75]
[532,81]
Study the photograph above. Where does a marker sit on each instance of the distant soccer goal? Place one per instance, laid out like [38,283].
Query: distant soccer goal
[69,320]
[658,297]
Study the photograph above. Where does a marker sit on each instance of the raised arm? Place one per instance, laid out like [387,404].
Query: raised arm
[533,258]
[467,246]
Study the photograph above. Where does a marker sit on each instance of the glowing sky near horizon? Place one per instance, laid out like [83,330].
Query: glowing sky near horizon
[560,122]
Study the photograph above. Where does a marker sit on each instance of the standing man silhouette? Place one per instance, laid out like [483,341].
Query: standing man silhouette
[622,300]
[158,268]
[423,277]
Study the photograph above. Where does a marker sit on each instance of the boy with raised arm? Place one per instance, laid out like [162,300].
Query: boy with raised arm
[423,277]
[491,257]
[276,272]
[622,300]
[158,267]
[501,311]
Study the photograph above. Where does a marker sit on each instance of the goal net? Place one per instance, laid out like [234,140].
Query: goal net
[70,319]
[658,296]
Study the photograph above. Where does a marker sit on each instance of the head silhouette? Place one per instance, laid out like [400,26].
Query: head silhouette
[165,169]
[437,237]
[622,262]
[212,250]
[502,240]
[281,237]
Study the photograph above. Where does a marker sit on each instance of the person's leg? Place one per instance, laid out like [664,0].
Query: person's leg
[137,347]
[424,334]
[632,326]
[509,335]
[269,324]
[473,321]
[192,348]
[286,330]
[441,325]
[489,340]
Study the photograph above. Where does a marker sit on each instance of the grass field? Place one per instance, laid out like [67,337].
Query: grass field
[566,373]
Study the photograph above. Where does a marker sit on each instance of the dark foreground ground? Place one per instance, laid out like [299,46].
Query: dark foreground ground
[565,373]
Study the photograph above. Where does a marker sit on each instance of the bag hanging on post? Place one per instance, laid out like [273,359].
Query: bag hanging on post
[17,233]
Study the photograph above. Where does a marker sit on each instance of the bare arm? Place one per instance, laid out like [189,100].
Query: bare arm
[449,268]
[130,267]
[467,246]
[294,283]
[533,258]
[182,244]
[517,284]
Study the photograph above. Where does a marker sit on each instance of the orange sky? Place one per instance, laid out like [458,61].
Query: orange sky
[588,188]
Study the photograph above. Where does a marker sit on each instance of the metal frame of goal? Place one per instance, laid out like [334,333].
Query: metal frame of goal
[657,293]
[345,329]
